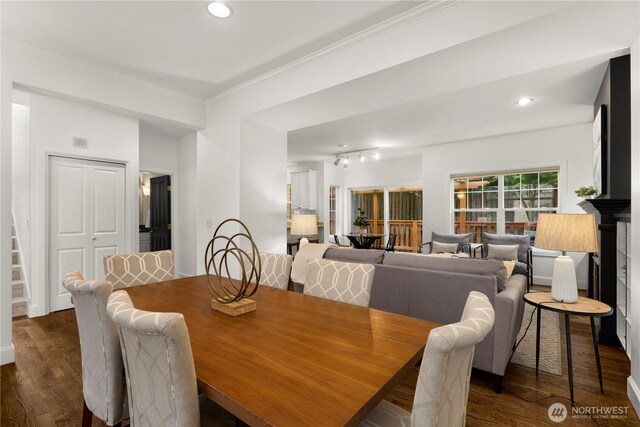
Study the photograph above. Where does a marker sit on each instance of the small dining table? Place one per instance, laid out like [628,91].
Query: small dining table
[297,359]
[363,241]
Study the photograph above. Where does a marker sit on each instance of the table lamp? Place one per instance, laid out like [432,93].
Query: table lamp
[302,225]
[566,233]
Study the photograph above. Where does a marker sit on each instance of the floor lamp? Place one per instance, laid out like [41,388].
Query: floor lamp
[566,233]
[304,225]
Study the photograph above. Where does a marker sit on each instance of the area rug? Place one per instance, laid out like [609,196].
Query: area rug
[550,342]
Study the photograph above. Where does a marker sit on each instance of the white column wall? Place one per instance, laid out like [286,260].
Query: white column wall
[633,383]
[186,264]
[568,148]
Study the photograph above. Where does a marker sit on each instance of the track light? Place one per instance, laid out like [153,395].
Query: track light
[361,154]
[337,162]
[375,155]
[361,157]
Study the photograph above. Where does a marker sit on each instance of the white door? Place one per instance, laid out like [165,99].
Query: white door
[86,220]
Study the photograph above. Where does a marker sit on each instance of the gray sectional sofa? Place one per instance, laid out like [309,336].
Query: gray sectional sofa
[436,289]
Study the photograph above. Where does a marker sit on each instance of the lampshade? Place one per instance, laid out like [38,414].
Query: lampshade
[304,225]
[567,232]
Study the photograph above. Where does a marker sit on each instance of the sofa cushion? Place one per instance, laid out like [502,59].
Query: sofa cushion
[461,239]
[523,242]
[362,256]
[520,268]
[485,267]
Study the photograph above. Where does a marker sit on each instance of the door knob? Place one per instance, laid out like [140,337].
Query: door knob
[94,238]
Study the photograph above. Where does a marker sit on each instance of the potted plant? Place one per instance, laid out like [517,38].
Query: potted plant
[586,192]
[360,221]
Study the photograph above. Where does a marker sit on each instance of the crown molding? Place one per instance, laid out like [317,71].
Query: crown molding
[430,7]
[25,48]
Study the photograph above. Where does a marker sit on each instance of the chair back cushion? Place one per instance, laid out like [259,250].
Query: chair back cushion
[161,377]
[523,242]
[443,383]
[461,239]
[339,281]
[135,269]
[276,269]
[102,370]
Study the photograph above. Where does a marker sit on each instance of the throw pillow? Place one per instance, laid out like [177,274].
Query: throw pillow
[439,247]
[504,252]
[461,239]
[509,265]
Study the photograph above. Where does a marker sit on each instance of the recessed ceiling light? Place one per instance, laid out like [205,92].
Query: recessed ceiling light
[342,145]
[219,9]
[524,101]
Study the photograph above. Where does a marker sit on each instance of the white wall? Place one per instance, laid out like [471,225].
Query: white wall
[158,152]
[111,137]
[21,178]
[633,383]
[384,173]
[568,148]
[188,259]
[263,187]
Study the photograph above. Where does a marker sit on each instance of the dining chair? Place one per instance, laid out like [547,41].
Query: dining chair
[134,269]
[442,390]
[103,380]
[160,373]
[339,281]
[391,243]
[276,269]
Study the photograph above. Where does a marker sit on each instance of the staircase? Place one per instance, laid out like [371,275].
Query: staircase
[19,298]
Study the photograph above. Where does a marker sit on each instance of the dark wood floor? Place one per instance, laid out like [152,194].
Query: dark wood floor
[44,386]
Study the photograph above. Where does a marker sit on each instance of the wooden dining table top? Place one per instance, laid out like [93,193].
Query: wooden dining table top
[297,359]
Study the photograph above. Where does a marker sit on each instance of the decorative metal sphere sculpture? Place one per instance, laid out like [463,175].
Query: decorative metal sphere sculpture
[220,251]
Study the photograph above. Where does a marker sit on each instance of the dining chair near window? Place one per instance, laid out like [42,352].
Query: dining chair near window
[161,376]
[391,243]
[339,281]
[336,239]
[276,269]
[443,382]
[103,381]
[134,269]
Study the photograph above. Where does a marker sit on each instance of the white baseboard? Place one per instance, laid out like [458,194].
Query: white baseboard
[35,310]
[633,391]
[7,354]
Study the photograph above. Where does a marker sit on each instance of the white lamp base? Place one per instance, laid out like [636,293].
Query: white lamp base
[303,241]
[564,286]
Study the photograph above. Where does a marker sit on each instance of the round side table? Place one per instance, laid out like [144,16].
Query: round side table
[583,307]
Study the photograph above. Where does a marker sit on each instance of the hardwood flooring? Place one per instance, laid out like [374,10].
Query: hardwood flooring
[44,386]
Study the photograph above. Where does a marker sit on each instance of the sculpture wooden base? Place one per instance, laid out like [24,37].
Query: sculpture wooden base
[234,308]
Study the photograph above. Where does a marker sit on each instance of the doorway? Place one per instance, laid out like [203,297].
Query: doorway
[155,212]
[86,220]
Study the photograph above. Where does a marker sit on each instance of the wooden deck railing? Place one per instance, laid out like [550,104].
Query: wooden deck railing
[477,227]
[409,234]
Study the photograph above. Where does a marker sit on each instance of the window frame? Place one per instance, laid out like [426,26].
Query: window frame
[501,210]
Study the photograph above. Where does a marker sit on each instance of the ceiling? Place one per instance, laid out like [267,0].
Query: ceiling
[475,59]
[468,91]
[179,46]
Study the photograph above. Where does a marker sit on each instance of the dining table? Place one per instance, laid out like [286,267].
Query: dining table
[365,240]
[297,359]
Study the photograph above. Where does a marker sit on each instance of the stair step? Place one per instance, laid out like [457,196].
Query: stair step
[17,289]
[19,307]
[14,243]
[15,256]
[16,272]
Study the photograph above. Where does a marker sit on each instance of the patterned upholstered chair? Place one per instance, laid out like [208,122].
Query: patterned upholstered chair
[443,382]
[339,281]
[276,270]
[103,381]
[126,270]
[161,376]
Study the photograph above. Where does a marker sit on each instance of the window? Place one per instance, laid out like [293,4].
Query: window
[392,211]
[333,210]
[508,203]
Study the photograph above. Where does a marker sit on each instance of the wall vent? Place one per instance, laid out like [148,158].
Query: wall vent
[80,142]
